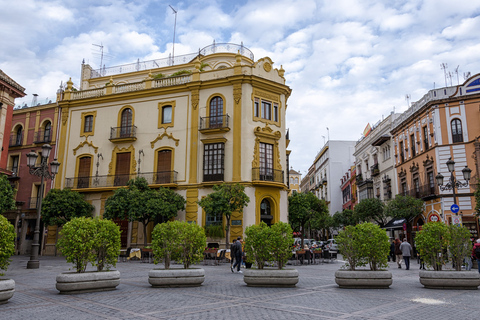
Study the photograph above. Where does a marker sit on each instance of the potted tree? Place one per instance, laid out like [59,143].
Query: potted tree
[95,241]
[180,241]
[364,245]
[432,242]
[7,249]
[271,245]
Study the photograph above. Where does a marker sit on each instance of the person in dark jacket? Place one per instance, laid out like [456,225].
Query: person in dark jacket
[238,255]
[398,252]
[475,255]
[392,250]
[232,254]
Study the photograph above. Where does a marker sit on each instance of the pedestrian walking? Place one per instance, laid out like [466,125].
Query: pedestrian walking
[232,254]
[476,253]
[398,253]
[238,255]
[392,250]
[406,250]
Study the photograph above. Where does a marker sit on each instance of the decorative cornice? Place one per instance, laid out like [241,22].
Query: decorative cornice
[160,137]
[85,143]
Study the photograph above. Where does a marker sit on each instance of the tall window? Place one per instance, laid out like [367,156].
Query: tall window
[47,134]
[84,166]
[88,124]
[216,112]
[425,138]
[167,114]
[164,167]
[18,141]
[386,152]
[457,135]
[275,112]
[213,161]
[266,212]
[256,110]
[14,161]
[266,161]
[266,110]
[431,181]
[214,219]
[412,143]
[126,124]
[401,152]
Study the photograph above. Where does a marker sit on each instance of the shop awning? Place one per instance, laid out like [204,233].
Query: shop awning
[395,223]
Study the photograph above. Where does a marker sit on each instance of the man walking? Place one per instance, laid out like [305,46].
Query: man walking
[237,247]
[232,254]
[406,249]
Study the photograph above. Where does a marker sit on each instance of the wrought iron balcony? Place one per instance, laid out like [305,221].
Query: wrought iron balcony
[267,174]
[42,136]
[15,140]
[122,133]
[120,180]
[359,178]
[424,192]
[374,170]
[216,122]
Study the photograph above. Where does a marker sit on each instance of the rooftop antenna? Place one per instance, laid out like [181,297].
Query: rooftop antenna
[174,29]
[101,54]
[450,75]
[456,71]
[466,75]
[444,67]
[407,97]
[324,140]
[328,134]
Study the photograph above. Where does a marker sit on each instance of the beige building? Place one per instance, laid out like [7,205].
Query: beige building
[190,123]
[295,179]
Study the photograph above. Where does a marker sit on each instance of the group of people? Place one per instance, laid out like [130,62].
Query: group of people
[402,251]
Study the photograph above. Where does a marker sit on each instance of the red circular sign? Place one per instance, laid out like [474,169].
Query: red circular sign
[434,217]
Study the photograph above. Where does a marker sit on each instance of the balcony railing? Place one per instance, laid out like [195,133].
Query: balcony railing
[374,170]
[267,174]
[42,136]
[123,133]
[120,180]
[216,122]
[423,192]
[359,178]
[15,140]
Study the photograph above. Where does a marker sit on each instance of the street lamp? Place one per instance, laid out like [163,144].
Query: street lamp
[42,172]
[453,183]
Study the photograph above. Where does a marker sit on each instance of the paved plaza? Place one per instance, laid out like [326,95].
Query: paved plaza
[224,295]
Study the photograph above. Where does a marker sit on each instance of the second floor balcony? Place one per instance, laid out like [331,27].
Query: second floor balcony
[120,180]
[15,140]
[121,134]
[424,192]
[42,136]
[217,123]
[267,174]
[374,170]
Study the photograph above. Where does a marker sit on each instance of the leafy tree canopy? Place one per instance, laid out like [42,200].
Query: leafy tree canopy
[7,195]
[404,207]
[224,200]
[371,210]
[61,206]
[345,218]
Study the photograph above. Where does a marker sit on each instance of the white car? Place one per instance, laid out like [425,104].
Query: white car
[331,245]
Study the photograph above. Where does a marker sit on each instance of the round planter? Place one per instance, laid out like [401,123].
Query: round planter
[176,277]
[363,279]
[270,277]
[450,279]
[69,283]
[7,288]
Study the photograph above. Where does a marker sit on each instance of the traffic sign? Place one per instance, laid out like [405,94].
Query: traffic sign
[454,208]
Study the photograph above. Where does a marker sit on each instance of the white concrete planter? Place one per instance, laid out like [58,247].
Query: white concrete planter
[270,277]
[7,288]
[70,282]
[176,277]
[450,279]
[363,279]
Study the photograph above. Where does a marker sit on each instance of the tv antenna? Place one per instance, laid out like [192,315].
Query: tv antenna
[466,75]
[174,29]
[444,67]
[101,53]
[456,71]
[407,97]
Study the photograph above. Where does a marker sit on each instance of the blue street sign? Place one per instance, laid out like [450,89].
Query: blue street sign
[454,208]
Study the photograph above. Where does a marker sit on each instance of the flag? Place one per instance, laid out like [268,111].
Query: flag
[367,130]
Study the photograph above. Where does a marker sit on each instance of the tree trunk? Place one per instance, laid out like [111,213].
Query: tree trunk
[227,231]
[145,223]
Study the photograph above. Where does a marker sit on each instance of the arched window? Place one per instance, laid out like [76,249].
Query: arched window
[18,139]
[216,112]
[457,135]
[47,133]
[126,124]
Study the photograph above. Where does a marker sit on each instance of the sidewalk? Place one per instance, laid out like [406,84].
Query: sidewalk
[224,295]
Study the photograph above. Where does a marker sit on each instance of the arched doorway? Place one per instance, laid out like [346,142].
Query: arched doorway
[266,212]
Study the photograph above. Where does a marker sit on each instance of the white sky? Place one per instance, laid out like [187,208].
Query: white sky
[349,62]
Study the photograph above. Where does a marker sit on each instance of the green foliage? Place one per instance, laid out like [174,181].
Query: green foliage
[432,242]
[404,207]
[225,199]
[345,218]
[107,244]
[305,209]
[257,247]
[180,241]
[476,194]
[86,240]
[214,231]
[142,204]
[371,209]
[181,72]
[363,244]
[159,76]
[7,195]
[203,65]
[7,243]
[459,244]
[61,206]
[77,242]
[269,244]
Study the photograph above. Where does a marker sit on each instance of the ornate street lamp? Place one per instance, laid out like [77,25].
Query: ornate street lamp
[453,183]
[42,172]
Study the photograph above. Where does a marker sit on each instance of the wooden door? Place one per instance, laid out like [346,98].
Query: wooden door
[122,169]
[84,172]
[164,172]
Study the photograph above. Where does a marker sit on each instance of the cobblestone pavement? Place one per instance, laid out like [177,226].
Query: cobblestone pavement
[224,295]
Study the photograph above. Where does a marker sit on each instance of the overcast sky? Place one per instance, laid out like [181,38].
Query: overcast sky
[348,62]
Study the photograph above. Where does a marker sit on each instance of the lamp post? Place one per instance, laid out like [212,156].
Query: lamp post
[42,172]
[453,183]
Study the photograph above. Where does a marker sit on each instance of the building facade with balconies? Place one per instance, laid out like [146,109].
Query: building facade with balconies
[442,125]
[331,163]
[375,171]
[186,123]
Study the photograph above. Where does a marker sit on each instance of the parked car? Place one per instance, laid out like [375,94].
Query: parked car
[331,245]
